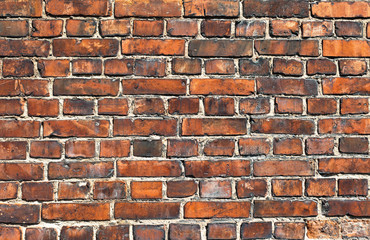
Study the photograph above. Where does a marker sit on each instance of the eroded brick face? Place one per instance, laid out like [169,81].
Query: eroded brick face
[184,119]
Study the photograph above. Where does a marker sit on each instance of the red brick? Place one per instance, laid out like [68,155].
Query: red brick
[344,126]
[348,29]
[78,7]
[284,28]
[222,86]
[186,66]
[217,231]
[250,29]
[220,48]
[352,187]
[353,145]
[317,29]
[78,107]
[220,168]
[288,105]
[354,105]
[284,208]
[113,232]
[109,190]
[181,189]
[276,8]
[76,128]
[43,107]
[322,229]
[352,67]
[219,147]
[146,190]
[287,47]
[320,146]
[217,209]
[211,127]
[347,207]
[258,67]
[45,149]
[37,191]
[255,230]
[110,28]
[341,86]
[13,233]
[321,66]
[85,47]
[182,148]
[168,47]
[355,228]
[21,171]
[341,9]
[144,127]
[25,8]
[211,8]
[118,67]
[289,230]
[13,150]
[146,8]
[80,149]
[216,28]
[282,125]
[146,210]
[219,106]
[344,48]
[86,67]
[183,105]
[153,232]
[283,168]
[147,148]
[184,232]
[9,28]
[25,48]
[8,190]
[149,168]
[321,106]
[76,233]
[147,28]
[62,170]
[288,86]
[85,87]
[53,68]
[286,187]
[182,28]
[215,189]
[32,87]
[150,67]
[320,187]
[76,211]
[80,28]
[110,106]
[251,188]
[220,67]
[20,213]
[254,106]
[73,190]
[114,148]
[41,233]
[344,165]
[288,146]
[11,107]
[287,67]
[47,28]
[23,129]
[154,86]
[17,68]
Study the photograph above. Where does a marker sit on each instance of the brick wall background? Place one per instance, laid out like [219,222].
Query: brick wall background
[184,119]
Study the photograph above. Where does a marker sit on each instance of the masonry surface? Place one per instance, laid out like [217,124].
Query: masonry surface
[184,119]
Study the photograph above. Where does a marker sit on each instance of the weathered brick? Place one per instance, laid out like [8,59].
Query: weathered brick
[289,230]
[208,126]
[215,189]
[76,128]
[149,168]
[148,28]
[23,129]
[353,145]
[147,8]
[113,232]
[286,187]
[8,190]
[355,208]
[20,213]
[182,148]
[219,147]
[250,29]
[321,66]
[288,105]
[346,48]
[320,187]
[283,168]
[320,146]
[29,171]
[80,28]
[87,67]
[221,168]
[220,48]
[344,126]
[317,29]
[222,86]
[276,8]
[284,208]
[113,106]
[341,86]
[146,190]
[181,189]
[256,230]
[154,232]
[321,106]
[76,211]
[341,9]
[284,28]
[254,146]
[211,8]
[282,125]
[220,67]
[37,191]
[53,68]
[154,86]
[144,127]
[352,187]
[287,47]
[13,28]
[167,47]
[45,149]
[118,67]
[354,106]
[147,148]
[109,190]
[183,105]
[219,106]
[288,146]
[182,28]
[86,87]
[78,7]
[185,231]
[76,233]
[254,106]
[288,86]
[14,233]
[85,47]
[80,149]
[352,67]
[25,8]
[47,28]
[11,107]
[41,233]
[258,67]
[25,48]
[146,210]
[355,228]
[217,231]
[17,68]
[322,229]
[217,209]
[344,165]
[150,67]
[43,107]
[27,87]
[13,150]
[114,148]
[62,170]
[78,107]
[348,29]
[189,66]
[73,190]
[110,28]
[216,28]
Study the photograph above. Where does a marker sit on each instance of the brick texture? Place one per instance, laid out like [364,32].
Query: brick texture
[184,119]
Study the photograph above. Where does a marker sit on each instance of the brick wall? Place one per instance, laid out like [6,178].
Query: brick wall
[184,119]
